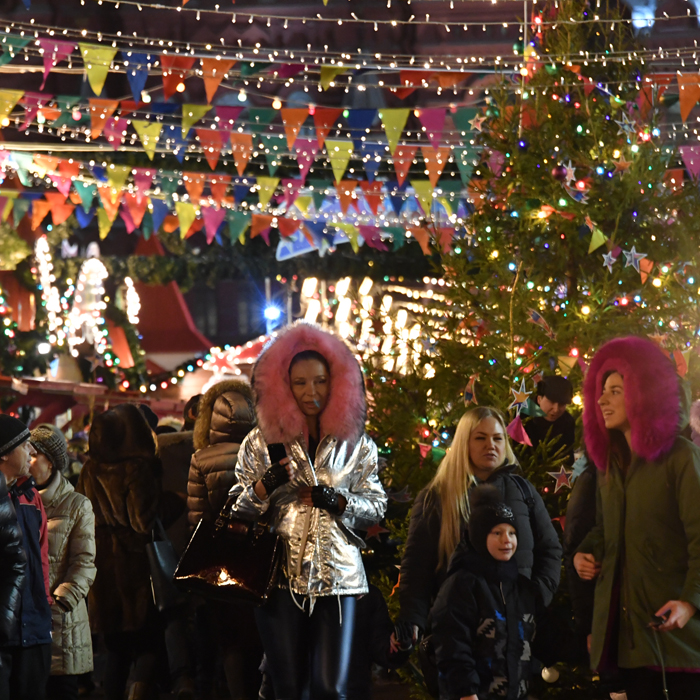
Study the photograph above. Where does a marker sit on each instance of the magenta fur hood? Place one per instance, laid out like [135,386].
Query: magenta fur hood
[652,398]
[279,417]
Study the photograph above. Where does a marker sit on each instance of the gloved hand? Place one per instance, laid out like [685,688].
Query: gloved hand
[405,634]
[274,477]
[327,498]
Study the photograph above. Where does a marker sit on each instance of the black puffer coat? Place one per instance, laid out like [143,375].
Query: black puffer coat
[538,556]
[483,624]
[226,415]
[12,565]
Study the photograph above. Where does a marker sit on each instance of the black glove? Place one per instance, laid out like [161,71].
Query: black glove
[327,498]
[274,477]
[404,634]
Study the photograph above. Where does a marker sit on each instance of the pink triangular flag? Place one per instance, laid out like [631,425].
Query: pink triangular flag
[32,101]
[227,115]
[128,221]
[290,190]
[691,159]
[424,450]
[54,51]
[306,150]
[517,432]
[213,218]
[115,131]
[434,122]
[373,237]
[143,179]
[61,183]
[496,161]
[289,70]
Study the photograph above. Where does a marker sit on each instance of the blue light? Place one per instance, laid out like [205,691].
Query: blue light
[522,144]
[514,214]
[600,170]
[691,280]
[512,266]
[638,298]
[272,313]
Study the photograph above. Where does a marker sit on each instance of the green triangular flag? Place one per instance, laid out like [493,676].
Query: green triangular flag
[191,114]
[339,154]
[464,157]
[274,147]
[252,67]
[11,46]
[424,194]
[452,188]
[398,235]
[66,103]
[147,225]
[86,191]
[267,187]
[168,186]
[238,222]
[462,117]
[260,117]
[19,208]
[318,192]
[23,161]
[597,239]
[394,121]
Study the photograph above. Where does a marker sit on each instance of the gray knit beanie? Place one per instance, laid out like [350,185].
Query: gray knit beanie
[49,440]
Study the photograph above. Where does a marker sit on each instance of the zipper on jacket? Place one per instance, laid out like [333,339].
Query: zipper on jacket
[500,585]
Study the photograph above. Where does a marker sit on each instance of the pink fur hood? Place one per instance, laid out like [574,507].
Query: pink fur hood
[652,398]
[279,417]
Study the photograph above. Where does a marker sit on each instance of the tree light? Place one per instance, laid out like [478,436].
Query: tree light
[43,348]
[272,313]
[585,310]
[657,282]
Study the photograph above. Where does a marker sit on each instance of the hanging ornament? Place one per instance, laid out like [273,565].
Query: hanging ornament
[632,258]
[477,122]
[537,318]
[470,391]
[570,173]
[626,125]
[608,261]
[562,477]
[519,397]
[559,173]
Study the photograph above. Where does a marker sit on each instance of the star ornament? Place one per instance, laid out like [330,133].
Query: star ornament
[519,397]
[632,258]
[477,122]
[608,261]
[562,478]
[626,125]
[220,362]
[375,531]
[570,173]
[622,165]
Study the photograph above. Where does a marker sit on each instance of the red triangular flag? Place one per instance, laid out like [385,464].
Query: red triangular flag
[346,194]
[260,226]
[403,158]
[174,72]
[373,194]
[211,142]
[324,119]
[218,187]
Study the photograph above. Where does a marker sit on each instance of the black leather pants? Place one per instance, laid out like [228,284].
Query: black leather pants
[307,650]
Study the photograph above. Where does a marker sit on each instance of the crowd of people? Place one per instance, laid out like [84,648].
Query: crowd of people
[480,567]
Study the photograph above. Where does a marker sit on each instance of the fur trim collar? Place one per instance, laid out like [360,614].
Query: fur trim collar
[652,398]
[695,416]
[279,417]
[206,407]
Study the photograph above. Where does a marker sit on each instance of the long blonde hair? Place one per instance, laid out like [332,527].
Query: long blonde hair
[454,477]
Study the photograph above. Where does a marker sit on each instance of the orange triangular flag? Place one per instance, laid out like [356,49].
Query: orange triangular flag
[60,209]
[346,194]
[194,184]
[137,206]
[241,148]
[218,187]
[259,225]
[68,169]
[324,120]
[213,71]
[110,206]
[688,92]
[100,112]
[447,80]
[211,142]
[403,157]
[645,268]
[435,161]
[49,164]
[40,208]
[423,238]
[292,120]
[373,194]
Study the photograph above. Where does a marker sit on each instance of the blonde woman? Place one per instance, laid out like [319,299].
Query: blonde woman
[480,453]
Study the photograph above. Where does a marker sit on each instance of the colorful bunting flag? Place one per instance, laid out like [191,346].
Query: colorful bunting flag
[218,187]
[373,194]
[137,65]
[324,120]
[345,190]
[8,100]
[293,120]
[53,51]
[267,187]
[174,68]
[424,194]
[394,121]
[213,218]
[433,121]
[403,158]
[213,72]
[149,134]
[186,214]
[194,184]
[339,154]
[100,112]
[104,223]
[238,222]
[260,225]
[97,60]
[241,148]
[191,114]
[435,161]
[306,150]
[211,142]
[115,131]
[329,74]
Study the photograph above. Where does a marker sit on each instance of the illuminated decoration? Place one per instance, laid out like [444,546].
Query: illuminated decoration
[132,301]
[86,323]
[49,293]
[231,360]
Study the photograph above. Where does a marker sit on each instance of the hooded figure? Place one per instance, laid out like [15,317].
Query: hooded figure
[310,397]
[226,415]
[646,542]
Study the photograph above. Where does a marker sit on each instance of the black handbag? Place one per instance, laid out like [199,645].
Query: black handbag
[232,560]
[162,561]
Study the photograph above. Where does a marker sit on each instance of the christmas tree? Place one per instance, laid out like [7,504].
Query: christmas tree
[582,229]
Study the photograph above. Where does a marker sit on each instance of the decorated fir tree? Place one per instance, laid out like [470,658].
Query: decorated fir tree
[583,228]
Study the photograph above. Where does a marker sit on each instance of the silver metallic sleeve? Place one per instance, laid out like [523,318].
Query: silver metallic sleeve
[249,468]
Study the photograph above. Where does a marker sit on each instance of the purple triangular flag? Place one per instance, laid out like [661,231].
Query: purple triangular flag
[115,131]
[373,237]
[213,218]
[433,120]
[143,179]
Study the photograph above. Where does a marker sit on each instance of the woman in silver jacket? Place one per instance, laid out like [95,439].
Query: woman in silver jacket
[310,397]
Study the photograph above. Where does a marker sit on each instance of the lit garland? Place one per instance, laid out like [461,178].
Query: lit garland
[86,319]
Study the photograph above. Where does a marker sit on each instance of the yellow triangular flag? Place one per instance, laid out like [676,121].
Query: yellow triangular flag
[394,121]
[116,175]
[566,363]
[302,203]
[267,189]
[597,239]
[446,203]
[8,100]
[329,74]
[424,194]
[97,60]
[186,214]
[148,133]
[11,196]
[191,114]
[339,154]
[351,231]
[104,223]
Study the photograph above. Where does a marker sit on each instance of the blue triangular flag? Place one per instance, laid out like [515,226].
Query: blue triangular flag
[370,151]
[137,71]
[358,120]
[396,194]
[160,211]
[99,173]
[240,191]
[83,217]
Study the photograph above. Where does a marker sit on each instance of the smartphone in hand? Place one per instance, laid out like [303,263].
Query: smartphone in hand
[658,620]
[276,452]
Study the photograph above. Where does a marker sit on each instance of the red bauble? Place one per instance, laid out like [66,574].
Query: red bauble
[559,173]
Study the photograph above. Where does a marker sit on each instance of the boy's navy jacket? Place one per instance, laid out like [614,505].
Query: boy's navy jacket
[35,617]
[483,624]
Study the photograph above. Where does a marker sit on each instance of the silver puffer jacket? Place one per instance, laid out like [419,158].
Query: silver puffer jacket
[323,553]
